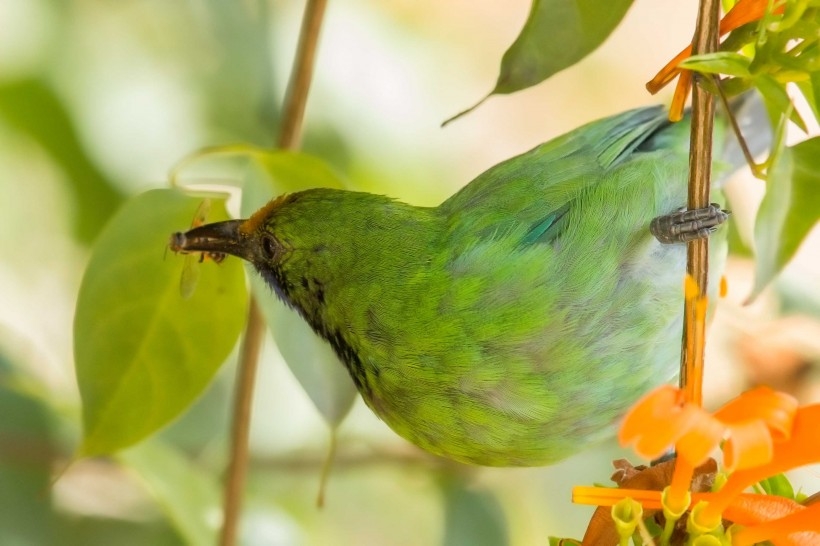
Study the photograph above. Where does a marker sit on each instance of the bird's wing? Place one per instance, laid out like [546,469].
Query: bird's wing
[535,189]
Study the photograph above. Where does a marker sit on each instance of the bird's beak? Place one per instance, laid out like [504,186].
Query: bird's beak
[216,238]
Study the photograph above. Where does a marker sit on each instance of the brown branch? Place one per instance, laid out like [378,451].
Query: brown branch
[700,166]
[293,114]
[240,426]
[301,75]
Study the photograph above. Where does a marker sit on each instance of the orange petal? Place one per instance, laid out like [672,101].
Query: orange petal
[677,495]
[801,448]
[745,11]
[668,72]
[745,509]
[661,419]
[776,409]
[691,289]
[645,424]
[749,444]
[680,96]
[800,528]
[751,509]
[699,441]
[609,496]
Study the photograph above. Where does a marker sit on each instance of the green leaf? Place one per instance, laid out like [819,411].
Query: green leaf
[777,98]
[788,211]
[813,98]
[310,358]
[142,352]
[722,62]
[279,171]
[28,454]
[778,485]
[557,34]
[737,245]
[188,496]
[105,531]
[33,108]
[472,517]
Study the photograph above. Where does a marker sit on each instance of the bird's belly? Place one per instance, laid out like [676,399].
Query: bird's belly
[533,392]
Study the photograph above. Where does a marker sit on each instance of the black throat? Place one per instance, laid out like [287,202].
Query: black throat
[342,344]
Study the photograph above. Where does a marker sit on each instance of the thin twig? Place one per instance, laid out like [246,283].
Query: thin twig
[700,166]
[240,427]
[301,75]
[289,132]
[758,170]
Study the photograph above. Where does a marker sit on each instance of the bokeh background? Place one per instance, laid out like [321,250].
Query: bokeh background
[100,98]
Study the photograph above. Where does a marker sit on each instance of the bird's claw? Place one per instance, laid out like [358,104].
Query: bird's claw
[687,225]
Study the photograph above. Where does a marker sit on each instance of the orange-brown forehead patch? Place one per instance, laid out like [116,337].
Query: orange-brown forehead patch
[258,218]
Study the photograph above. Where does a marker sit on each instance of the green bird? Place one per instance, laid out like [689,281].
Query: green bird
[515,323]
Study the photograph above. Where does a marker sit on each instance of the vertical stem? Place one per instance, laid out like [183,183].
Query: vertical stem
[700,165]
[301,75]
[289,132]
[241,423]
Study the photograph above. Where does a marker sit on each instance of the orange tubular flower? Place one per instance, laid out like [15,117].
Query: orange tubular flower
[802,447]
[745,11]
[663,419]
[659,420]
[757,420]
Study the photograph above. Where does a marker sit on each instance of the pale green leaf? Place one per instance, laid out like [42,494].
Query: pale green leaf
[310,358]
[473,517]
[190,497]
[722,62]
[34,108]
[778,485]
[142,352]
[814,97]
[28,455]
[777,98]
[788,211]
[279,172]
[557,34]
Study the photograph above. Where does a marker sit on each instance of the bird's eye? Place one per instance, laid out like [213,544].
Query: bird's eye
[269,247]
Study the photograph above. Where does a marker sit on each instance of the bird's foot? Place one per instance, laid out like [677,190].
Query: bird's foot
[687,225]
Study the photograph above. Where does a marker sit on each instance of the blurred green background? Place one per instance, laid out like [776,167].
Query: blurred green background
[100,98]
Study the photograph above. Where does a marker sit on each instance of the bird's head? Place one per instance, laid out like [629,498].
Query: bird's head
[307,245]
[253,239]
[284,240]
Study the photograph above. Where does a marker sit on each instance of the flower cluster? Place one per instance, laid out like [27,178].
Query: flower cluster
[762,433]
[742,13]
